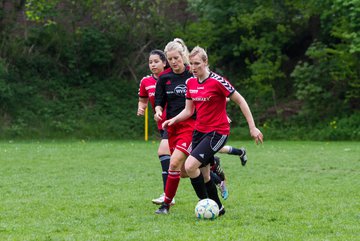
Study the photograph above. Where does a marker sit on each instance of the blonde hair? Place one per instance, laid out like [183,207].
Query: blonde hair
[178,45]
[202,53]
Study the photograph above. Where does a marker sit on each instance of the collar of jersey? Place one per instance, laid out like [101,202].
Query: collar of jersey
[204,79]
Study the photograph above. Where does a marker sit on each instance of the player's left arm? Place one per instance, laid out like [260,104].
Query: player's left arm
[245,109]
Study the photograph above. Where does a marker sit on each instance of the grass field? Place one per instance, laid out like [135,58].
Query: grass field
[76,190]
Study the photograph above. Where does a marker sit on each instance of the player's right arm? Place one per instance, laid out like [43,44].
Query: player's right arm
[160,98]
[186,113]
[142,105]
[143,97]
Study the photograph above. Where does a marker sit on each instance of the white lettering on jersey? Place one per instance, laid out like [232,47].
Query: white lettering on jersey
[201,98]
[150,87]
[180,90]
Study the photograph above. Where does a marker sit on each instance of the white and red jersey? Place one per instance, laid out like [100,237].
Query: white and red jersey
[209,98]
[147,90]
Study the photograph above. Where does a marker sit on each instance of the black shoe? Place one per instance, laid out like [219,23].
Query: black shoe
[243,157]
[222,211]
[164,209]
[217,168]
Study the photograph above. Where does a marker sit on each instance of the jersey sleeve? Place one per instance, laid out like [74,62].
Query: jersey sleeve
[187,95]
[160,92]
[225,86]
[142,90]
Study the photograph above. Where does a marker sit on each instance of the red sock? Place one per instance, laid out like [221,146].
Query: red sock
[172,184]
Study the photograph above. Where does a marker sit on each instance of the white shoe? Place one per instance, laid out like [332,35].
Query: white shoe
[223,189]
[160,200]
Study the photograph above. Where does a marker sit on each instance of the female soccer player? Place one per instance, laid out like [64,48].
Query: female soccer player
[206,93]
[157,64]
[170,91]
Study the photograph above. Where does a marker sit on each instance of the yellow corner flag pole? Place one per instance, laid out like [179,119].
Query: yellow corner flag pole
[146,124]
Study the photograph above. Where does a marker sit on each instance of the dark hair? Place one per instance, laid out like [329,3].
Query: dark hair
[161,55]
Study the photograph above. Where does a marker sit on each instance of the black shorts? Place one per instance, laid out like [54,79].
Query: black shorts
[205,145]
[164,134]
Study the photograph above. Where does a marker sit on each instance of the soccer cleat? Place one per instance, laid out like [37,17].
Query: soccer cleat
[160,200]
[243,157]
[223,189]
[164,209]
[216,168]
[222,211]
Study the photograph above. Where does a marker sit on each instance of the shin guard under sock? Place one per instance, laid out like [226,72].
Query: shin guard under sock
[165,162]
[172,184]
[199,186]
[235,151]
[212,192]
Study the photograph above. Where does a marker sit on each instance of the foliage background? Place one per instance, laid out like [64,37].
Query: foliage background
[71,69]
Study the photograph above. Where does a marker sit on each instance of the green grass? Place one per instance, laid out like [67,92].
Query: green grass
[74,190]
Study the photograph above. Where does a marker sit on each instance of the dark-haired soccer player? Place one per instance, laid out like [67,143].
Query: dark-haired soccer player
[157,64]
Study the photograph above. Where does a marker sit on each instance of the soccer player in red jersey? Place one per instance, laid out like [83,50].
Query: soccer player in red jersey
[157,64]
[206,93]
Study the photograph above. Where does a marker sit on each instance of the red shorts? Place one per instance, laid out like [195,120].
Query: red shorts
[180,136]
[159,123]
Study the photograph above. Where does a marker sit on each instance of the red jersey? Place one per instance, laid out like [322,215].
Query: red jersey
[209,98]
[147,90]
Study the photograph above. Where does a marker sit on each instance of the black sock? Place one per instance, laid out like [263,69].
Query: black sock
[165,163]
[212,192]
[215,177]
[235,151]
[199,186]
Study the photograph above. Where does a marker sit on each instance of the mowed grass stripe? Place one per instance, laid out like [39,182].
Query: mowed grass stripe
[102,190]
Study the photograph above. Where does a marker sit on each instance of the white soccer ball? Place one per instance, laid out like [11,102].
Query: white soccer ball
[206,209]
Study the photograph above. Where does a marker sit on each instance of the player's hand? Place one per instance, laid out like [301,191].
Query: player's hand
[157,116]
[140,111]
[257,135]
[168,123]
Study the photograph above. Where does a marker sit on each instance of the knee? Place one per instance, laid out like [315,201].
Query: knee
[162,151]
[187,166]
[190,167]
[206,177]
[175,165]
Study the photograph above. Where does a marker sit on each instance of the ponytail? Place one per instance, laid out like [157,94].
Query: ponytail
[178,45]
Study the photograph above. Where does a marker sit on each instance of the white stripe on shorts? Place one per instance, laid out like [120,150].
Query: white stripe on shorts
[219,143]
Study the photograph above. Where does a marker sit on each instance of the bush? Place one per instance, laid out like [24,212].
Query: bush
[346,128]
